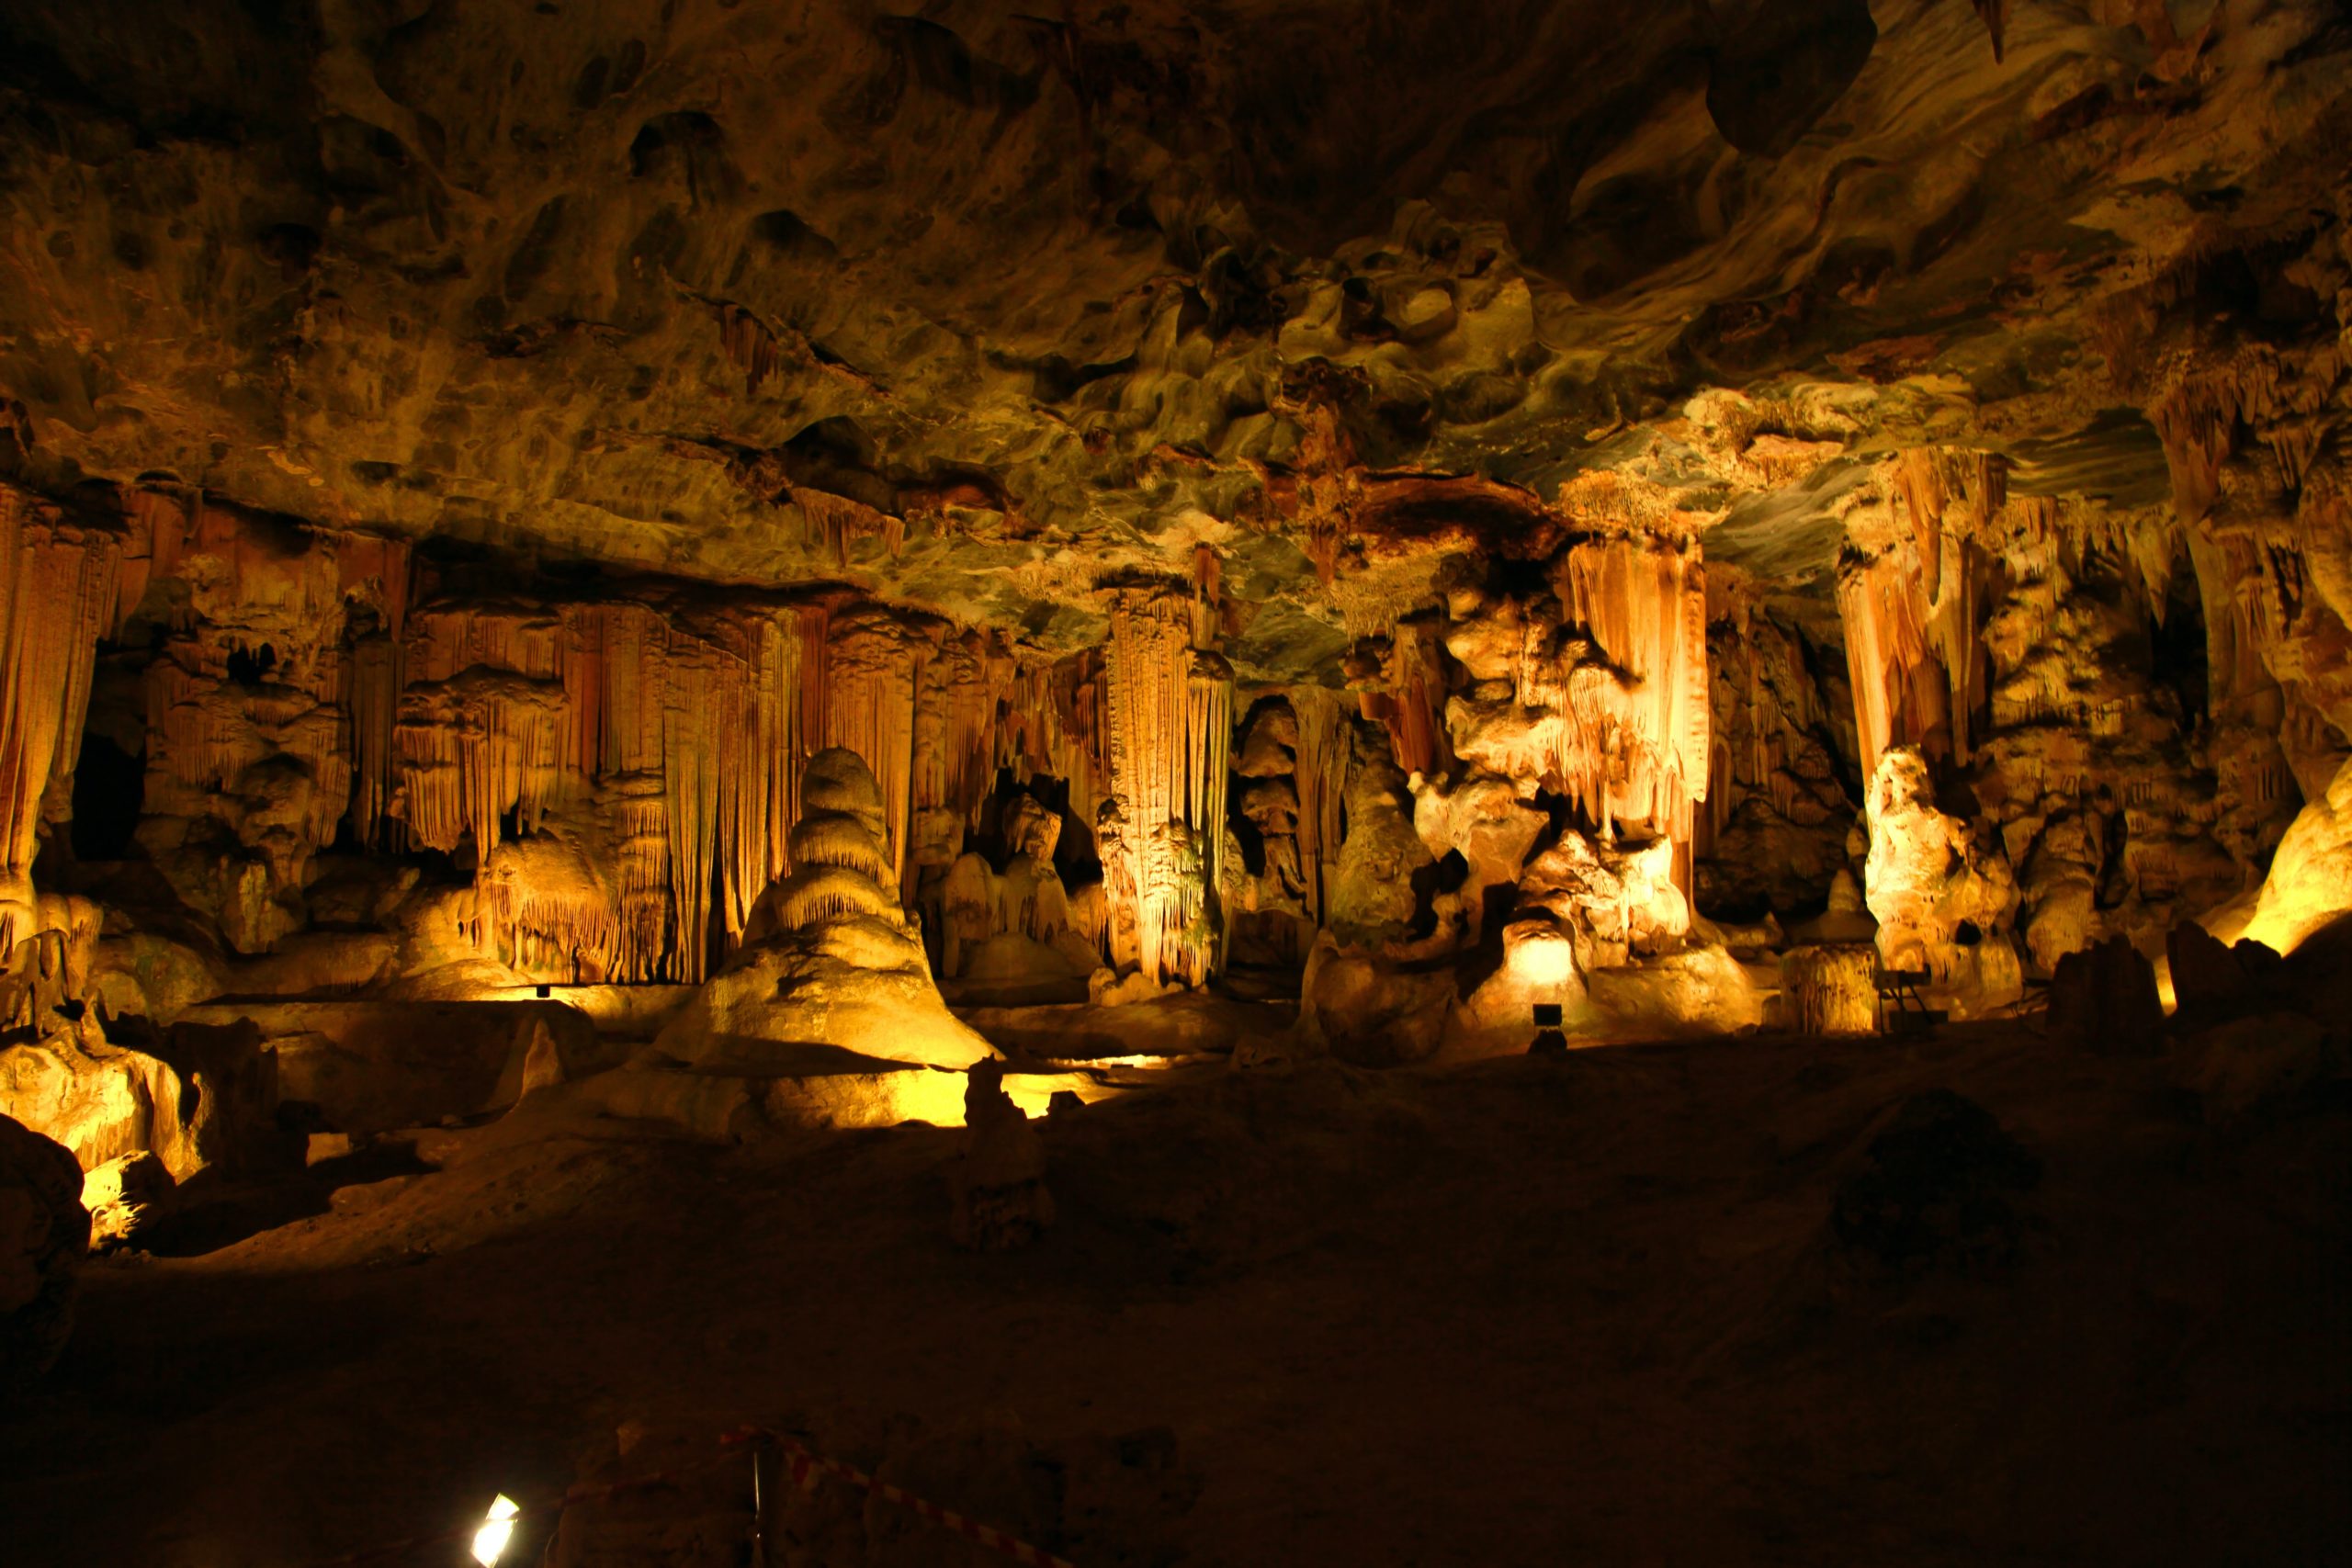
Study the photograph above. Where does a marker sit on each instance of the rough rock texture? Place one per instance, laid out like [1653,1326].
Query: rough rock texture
[1942,891]
[998,1184]
[43,1229]
[830,961]
[2104,998]
[1831,990]
[457,468]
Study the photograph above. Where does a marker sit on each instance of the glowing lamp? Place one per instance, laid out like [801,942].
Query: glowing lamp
[497,1530]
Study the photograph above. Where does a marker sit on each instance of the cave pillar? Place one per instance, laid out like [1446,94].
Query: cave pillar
[1171,712]
[59,592]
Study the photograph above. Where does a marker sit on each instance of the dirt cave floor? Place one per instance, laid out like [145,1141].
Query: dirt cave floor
[1528,1312]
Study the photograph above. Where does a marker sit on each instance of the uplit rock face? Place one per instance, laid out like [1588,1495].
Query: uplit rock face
[1943,894]
[830,960]
[457,469]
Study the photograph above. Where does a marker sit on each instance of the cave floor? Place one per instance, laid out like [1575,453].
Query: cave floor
[1527,1312]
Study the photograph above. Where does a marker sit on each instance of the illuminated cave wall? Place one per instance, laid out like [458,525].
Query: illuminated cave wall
[2124,704]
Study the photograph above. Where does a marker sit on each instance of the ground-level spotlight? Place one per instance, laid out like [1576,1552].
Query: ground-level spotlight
[497,1530]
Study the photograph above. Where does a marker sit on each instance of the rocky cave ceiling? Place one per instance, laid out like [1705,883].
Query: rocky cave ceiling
[979,310]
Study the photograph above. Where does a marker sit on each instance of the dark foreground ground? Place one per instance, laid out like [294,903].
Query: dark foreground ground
[1525,1313]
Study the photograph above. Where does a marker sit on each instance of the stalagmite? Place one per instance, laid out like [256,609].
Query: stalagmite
[830,964]
[1831,990]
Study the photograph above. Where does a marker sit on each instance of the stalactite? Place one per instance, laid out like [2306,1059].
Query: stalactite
[749,344]
[696,686]
[760,750]
[2198,421]
[1995,14]
[872,660]
[1415,706]
[1051,725]
[835,520]
[1325,750]
[1640,742]
[471,749]
[371,696]
[1208,595]
[1762,702]
[58,592]
[1171,720]
[1902,695]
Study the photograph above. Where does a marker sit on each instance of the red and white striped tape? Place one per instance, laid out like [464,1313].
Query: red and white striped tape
[807,1466]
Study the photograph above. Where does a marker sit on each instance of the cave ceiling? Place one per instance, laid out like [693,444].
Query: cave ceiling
[979,310]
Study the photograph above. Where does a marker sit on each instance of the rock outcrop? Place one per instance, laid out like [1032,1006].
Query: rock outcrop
[830,958]
[43,1232]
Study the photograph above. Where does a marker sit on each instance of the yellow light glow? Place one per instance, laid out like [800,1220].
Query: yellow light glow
[497,1530]
[1543,962]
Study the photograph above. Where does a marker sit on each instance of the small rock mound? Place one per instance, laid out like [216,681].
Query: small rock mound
[43,1231]
[1937,1189]
[999,1182]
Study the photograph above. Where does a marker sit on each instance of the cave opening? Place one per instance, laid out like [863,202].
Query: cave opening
[250,666]
[109,791]
[2178,655]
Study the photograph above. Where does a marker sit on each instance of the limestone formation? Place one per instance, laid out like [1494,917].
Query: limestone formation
[998,1183]
[43,1229]
[1831,990]
[830,960]
[448,507]
[1942,891]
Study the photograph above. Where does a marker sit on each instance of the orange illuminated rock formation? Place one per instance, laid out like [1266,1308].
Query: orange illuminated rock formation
[830,961]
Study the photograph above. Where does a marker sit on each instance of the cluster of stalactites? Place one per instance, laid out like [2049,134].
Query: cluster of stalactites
[1052,725]
[1170,729]
[1763,697]
[240,583]
[956,751]
[1913,614]
[673,746]
[1639,742]
[58,590]
[1326,750]
[677,742]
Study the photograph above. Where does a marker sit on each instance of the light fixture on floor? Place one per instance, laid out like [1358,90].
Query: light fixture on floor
[497,1530]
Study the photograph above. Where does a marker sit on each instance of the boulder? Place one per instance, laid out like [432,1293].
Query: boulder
[2243,1067]
[1363,1007]
[2104,1000]
[43,1232]
[998,1183]
[2209,979]
[124,1197]
[1938,1187]
[195,1096]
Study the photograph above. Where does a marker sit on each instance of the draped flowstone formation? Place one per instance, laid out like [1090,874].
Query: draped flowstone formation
[434,559]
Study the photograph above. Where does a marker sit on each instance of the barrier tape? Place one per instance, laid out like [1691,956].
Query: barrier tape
[558,1501]
[805,1466]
